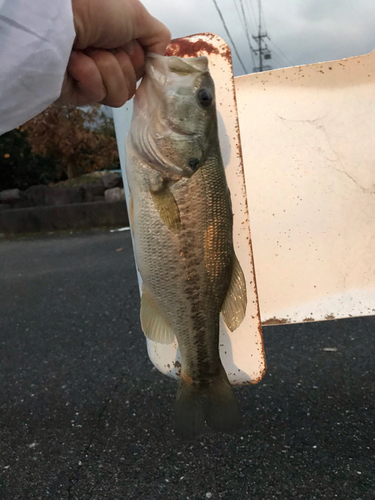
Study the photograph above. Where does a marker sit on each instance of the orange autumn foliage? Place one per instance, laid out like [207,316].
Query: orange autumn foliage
[82,140]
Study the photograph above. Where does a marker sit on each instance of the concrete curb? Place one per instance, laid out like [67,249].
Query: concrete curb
[66,217]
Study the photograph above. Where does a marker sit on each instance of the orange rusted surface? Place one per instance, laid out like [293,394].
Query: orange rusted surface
[199,45]
[185,47]
[275,321]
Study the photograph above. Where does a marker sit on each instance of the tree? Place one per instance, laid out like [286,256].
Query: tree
[19,168]
[81,140]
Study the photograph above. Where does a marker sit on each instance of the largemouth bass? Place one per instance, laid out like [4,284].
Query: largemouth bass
[181,218]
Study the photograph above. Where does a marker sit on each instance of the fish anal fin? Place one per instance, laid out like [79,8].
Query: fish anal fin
[167,207]
[154,325]
[234,306]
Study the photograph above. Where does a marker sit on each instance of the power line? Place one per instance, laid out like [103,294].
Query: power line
[278,61]
[252,15]
[244,25]
[261,13]
[239,14]
[283,58]
[282,54]
[261,51]
[247,32]
[229,36]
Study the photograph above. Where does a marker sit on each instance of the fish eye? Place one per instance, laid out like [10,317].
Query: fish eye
[204,97]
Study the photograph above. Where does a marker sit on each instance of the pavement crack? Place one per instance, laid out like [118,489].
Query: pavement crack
[74,478]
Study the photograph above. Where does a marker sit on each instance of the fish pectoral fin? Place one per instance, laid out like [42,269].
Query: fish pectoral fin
[154,325]
[234,306]
[166,205]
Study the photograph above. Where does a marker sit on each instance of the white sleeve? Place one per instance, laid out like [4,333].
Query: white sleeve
[36,38]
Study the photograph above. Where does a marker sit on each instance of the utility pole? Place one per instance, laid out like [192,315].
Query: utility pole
[261,51]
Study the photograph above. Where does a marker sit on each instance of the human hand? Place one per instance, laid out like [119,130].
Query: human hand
[108,54]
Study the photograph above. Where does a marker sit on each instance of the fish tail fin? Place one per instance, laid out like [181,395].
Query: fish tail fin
[222,412]
[189,411]
[215,404]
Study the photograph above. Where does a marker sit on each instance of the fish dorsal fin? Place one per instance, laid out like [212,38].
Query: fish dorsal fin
[166,205]
[234,305]
[154,325]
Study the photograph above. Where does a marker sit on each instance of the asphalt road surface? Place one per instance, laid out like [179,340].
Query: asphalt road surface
[84,416]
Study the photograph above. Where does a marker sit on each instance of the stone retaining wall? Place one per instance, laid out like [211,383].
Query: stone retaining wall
[78,216]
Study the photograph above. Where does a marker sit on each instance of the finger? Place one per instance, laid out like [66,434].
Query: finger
[114,23]
[152,34]
[137,57]
[88,83]
[118,75]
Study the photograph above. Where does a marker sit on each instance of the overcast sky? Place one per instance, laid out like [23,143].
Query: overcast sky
[301,31]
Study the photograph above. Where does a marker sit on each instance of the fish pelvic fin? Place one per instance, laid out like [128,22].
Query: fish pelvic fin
[153,323]
[234,306]
[215,404]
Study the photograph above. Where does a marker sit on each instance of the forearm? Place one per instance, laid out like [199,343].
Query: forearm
[36,39]
[37,65]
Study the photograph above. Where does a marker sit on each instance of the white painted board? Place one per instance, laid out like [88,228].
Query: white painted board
[309,155]
[241,351]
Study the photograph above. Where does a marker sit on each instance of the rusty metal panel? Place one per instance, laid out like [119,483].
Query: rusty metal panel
[309,155]
[241,351]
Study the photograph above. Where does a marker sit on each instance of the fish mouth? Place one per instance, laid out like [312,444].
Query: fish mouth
[160,67]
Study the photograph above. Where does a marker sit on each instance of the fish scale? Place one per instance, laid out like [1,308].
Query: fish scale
[182,231]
